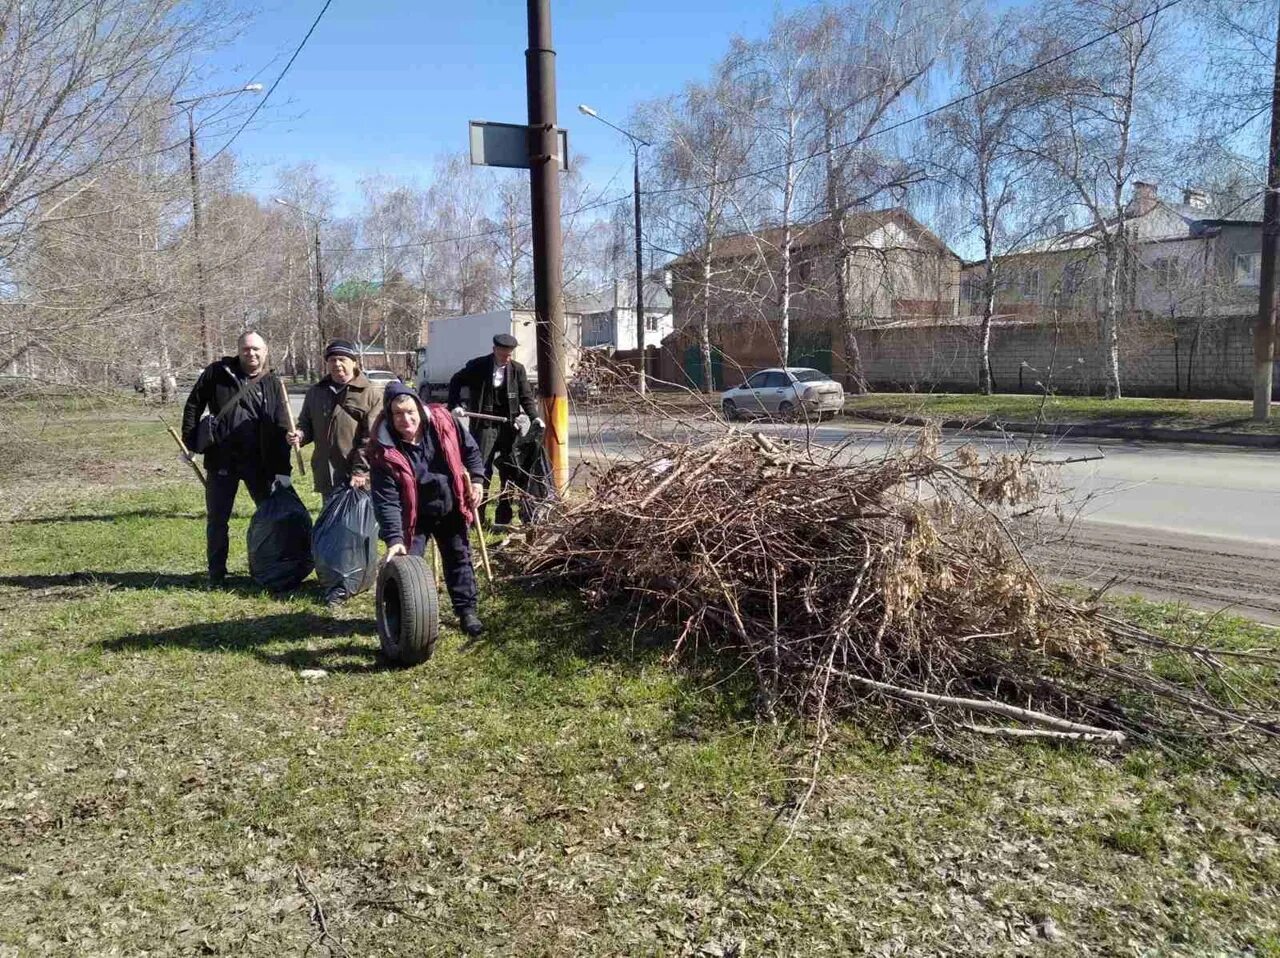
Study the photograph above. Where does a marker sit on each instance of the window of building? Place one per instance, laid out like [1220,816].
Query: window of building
[1164,272]
[1029,284]
[651,324]
[1072,279]
[1248,269]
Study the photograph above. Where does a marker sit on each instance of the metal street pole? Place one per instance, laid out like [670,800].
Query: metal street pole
[635,150]
[548,255]
[206,338]
[1265,327]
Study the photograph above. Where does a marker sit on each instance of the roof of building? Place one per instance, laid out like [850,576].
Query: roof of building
[858,225]
[622,294]
[1195,221]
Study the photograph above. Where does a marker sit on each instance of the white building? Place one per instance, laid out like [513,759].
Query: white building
[609,317]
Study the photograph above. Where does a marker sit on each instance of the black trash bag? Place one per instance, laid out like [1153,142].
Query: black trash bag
[344,543]
[537,487]
[279,540]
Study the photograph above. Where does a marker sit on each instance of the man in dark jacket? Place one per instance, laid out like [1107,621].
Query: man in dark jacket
[335,416]
[427,473]
[496,385]
[243,440]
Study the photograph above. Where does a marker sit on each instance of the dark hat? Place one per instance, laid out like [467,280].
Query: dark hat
[341,347]
[505,340]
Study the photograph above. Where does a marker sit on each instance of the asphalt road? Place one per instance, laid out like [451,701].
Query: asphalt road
[1186,523]
[1180,489]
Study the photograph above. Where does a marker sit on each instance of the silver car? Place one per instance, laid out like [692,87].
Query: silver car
[785,394]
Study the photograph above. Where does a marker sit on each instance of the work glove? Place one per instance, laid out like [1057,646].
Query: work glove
[539,423]
[459,413]
[281,482]
[522,424]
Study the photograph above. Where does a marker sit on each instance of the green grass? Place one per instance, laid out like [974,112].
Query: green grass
[166,776]
[1223,415]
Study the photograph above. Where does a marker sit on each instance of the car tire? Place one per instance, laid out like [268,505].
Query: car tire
[730,410]
[786,411]
[408,610]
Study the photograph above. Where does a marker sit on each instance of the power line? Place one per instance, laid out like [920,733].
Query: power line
[1041,65]
[1160,8]
[263,102]
[466,236]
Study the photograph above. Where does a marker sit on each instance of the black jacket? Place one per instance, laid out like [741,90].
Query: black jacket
[477,377]
[254,435]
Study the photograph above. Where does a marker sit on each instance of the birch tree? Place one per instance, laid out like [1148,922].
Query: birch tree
[1098,124]
[988,181]
[701,154]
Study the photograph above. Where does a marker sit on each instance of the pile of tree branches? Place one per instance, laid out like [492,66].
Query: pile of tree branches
[887,584]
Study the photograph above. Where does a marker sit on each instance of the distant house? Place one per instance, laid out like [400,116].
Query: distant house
[609,316]
[1188,283]
[1181,259]
[893,267]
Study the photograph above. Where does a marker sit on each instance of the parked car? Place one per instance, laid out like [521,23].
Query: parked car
[380,377]
[785,394]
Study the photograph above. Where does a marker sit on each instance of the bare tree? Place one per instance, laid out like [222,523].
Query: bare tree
[871,62]
[989,183]
[1098,123]
[701,156]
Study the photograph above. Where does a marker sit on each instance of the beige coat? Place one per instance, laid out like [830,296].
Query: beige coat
[338,429]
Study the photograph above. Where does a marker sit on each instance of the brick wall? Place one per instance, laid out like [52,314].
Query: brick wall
[1156,357]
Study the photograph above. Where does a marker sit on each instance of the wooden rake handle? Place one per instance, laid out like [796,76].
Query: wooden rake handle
[293,426]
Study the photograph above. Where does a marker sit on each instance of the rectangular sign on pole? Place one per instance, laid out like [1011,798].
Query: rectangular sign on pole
[507,144]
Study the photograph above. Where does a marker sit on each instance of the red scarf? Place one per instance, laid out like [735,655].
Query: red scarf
[451,443]
[395,462]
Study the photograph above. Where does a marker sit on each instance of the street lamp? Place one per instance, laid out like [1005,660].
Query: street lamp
[636,143]
[319,272]
[205,337]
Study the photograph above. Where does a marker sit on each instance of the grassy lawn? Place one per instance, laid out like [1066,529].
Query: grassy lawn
[1225,415]
[170,785]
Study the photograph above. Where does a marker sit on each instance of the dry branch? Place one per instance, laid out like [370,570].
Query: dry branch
[859,584]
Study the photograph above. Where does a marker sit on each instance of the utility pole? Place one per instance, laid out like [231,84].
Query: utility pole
[548,254]
[206,339]
[319,289]
[636,143]
[1265,328]
[316,220]
[206,335]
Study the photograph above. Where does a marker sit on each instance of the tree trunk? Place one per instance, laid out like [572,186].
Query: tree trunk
[1110,319]
[984,349]
[784,319]
[708,377]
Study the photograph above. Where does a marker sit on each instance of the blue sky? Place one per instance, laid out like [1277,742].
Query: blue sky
[388,85]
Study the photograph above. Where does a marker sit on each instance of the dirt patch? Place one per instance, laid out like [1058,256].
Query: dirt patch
[1205,572]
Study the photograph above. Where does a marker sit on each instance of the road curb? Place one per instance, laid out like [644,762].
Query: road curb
[1083,430]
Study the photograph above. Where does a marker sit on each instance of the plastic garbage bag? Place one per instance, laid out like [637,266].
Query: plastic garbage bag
[537,486]
[279,540]
[344,543]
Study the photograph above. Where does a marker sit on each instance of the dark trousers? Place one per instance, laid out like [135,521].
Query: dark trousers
[501,459]
[450,534]
[219,500]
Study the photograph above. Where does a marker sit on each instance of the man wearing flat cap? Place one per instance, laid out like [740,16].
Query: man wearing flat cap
[335,417]
[496,385]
